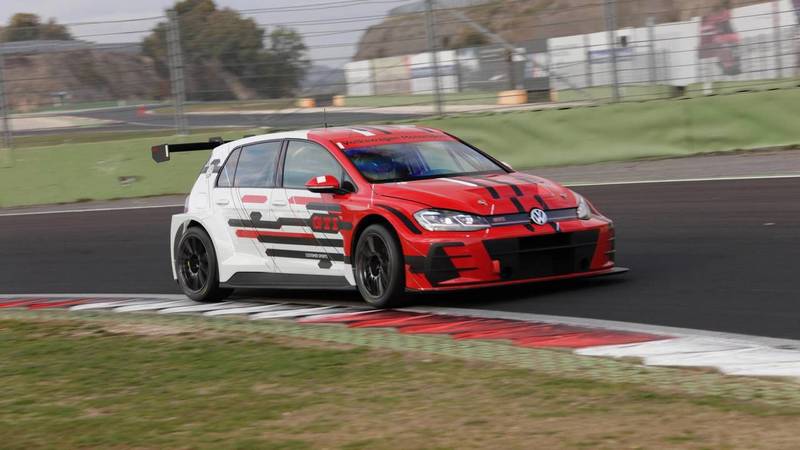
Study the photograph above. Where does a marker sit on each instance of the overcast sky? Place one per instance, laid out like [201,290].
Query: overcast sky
[360,13]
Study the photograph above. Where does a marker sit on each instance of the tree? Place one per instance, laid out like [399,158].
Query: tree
[29,27]
[220,44]
[286,62]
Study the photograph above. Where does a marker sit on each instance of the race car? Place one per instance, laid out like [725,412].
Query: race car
[384,209]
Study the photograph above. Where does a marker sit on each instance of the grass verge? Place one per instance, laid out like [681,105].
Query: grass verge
[129,381]
[99,166]
[87,169]
[660,128]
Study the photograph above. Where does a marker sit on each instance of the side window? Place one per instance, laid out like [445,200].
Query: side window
[257,165]
[305,160]
[226,174]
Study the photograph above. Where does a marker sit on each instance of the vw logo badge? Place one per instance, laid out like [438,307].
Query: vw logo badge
[538,216]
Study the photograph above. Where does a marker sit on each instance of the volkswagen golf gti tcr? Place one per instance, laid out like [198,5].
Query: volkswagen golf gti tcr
[385,209]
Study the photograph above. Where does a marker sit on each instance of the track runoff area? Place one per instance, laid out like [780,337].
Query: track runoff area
[705,270]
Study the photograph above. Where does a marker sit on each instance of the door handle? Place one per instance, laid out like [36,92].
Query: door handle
[279,203]
[222,201]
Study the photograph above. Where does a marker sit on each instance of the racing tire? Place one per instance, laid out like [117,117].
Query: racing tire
[380,267]
[197,269]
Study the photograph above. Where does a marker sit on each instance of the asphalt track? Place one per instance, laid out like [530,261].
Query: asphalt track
[715,255]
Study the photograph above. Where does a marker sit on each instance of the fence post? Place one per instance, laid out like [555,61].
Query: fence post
[651,40]
[611,32]
[776,34]
[5,122]
[587,53]
[177,80]
[430,31]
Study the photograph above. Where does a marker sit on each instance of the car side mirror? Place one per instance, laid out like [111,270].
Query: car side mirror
[324,184]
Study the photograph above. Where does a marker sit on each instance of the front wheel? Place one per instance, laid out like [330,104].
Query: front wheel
[196,264]
[379,267]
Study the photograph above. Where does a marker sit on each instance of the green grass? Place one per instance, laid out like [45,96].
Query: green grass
[125,382]
[461,98]
[86,105]
[87,168]
[628,93]
[660,128]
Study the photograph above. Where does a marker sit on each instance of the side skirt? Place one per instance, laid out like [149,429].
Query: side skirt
[263,280]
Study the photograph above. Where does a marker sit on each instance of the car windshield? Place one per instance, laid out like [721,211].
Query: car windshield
[418,160]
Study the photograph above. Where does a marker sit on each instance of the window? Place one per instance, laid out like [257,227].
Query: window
[306,160]
[257,165]
[416,160]
[226,174]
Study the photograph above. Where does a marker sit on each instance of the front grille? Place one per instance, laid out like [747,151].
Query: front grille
[553,215]
[543,256]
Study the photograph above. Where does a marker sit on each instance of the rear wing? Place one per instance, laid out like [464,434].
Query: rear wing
[162,152]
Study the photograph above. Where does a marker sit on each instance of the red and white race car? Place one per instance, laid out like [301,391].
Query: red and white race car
[387,209]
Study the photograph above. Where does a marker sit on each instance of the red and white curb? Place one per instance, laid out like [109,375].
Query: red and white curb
[657,346]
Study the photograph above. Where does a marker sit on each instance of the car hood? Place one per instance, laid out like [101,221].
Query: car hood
[483,195]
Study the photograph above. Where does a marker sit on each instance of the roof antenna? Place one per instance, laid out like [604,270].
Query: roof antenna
[324,118]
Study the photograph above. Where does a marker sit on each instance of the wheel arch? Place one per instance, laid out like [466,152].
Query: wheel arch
[371,219]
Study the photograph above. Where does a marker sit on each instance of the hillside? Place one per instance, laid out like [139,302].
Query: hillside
[522,20]
[34,80]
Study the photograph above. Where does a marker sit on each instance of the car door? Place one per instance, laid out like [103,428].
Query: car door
[237,253]
[255,183]
[317,247]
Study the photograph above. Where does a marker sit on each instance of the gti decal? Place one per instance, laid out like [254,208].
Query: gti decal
[325,223]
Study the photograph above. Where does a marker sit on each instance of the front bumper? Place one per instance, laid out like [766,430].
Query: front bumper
[508,255]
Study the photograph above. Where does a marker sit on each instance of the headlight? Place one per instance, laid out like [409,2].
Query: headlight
[443,220]
[584,213]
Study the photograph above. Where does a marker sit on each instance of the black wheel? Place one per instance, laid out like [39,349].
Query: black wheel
[196,264]
[379,267]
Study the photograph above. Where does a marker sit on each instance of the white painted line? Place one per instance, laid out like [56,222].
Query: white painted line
[69,211]
[203,307]
[149,306]
[570,184]
[611,325]
[682,180]
[289,313]
[111,304]
[765,370]
[248,310]
[669,348]
[105,296]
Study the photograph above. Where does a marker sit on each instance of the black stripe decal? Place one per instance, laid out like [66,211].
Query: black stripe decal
[300,254]
[521,209]
[517,205]
[256,222]
[492,191]
[514,187]
[324,206]
[294,240]
[406,221]
[541,201]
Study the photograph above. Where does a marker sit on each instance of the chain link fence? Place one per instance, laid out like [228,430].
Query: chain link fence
[173,74]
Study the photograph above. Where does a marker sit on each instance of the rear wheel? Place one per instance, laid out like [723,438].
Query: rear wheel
[196,264]
[379,267]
